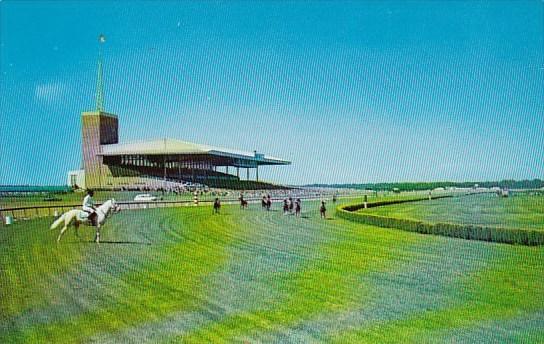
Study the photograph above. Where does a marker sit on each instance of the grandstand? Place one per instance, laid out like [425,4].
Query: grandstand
[108,164]
[164,163]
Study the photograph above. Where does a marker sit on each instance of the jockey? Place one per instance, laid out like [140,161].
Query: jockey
[88,206]
[291,204]
[216,205]
[322,210]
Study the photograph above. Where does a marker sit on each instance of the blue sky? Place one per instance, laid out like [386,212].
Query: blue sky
[348,91]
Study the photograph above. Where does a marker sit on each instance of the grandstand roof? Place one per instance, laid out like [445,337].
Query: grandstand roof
[178,147]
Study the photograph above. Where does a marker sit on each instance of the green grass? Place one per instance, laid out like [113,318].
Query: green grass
[518,211]
[185,275]
[495,293]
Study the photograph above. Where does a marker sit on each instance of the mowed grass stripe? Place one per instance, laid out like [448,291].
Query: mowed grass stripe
[87,284]
[527,328]
[510,287]
[171,281]
[257,254]
[29,266]
[323,285]
[421,279]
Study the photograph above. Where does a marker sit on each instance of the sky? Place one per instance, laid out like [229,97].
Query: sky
[350,92]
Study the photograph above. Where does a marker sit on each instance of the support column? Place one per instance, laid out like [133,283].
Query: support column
[257,173]
[247,173]
[192,171]
[227,169]
[238,172]
[164,169]
[179,168]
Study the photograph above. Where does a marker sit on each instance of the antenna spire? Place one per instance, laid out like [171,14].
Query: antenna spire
[100,81]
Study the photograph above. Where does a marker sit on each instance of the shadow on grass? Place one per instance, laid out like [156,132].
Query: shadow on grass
[108,242]
[123,242]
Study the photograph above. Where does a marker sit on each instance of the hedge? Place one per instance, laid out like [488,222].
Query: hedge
[471,232]
[355,207]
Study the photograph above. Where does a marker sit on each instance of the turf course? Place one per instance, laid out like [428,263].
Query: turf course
[185,275]
[518,211]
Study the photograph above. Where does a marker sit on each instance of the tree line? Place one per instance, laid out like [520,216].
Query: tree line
[416,186]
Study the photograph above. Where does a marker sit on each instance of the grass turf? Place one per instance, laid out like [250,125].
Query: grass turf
[185,275]
[518,211]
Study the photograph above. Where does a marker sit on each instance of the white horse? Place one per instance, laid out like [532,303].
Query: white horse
[77,217]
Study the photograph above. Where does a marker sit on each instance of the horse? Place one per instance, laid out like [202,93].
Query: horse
[297,207]
[77,217]
[243,203]
[323,210]
[291,205]
[216,206]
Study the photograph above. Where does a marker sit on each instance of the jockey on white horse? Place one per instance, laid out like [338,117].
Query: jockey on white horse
[88,206]
[77,217]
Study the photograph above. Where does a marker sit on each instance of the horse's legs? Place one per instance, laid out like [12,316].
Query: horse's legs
[62,232]
[76,225]
[97,236]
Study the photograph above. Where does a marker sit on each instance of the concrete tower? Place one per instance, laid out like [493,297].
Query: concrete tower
[98,128]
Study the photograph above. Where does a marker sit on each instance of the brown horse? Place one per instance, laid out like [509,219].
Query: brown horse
[323,210]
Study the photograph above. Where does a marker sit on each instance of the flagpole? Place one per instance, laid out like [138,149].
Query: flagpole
[100,81]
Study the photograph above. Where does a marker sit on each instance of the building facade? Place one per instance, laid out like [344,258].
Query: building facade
[108,164]
[98,129]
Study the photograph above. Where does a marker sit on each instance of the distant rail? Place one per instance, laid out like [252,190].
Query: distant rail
[18,213]
[29,212]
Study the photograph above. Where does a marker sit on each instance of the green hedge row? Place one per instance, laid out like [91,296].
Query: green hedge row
[355,207]
[471,232]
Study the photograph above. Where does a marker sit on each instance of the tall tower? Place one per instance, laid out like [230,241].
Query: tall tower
[99,80]
[98,128]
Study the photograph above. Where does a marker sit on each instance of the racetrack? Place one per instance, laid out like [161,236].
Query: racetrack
[185,275]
